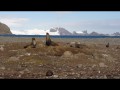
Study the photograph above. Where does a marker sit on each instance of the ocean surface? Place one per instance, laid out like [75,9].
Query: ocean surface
[62,36]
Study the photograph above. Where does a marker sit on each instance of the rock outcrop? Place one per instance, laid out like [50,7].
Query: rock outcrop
[4,29]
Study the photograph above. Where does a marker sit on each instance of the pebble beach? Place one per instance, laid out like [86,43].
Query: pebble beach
[93,60]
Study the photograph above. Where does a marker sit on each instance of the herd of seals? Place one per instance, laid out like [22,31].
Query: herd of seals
[49,42]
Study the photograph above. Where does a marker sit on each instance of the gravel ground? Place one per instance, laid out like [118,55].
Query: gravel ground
[93,60]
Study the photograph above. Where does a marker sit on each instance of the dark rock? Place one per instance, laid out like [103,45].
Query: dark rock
[75,44]
[4,29]
[117,47]
[107,45]
[109,76]
[49,73]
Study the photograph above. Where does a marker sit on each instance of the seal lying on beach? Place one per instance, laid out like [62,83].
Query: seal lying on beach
[32,45]
[49,42]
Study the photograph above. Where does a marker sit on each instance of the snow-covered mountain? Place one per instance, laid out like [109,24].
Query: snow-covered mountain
[51,31]
[59,31]
[116,34]
[80,32]
[34,32]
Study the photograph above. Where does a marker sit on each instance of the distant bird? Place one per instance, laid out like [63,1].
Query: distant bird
[107,45]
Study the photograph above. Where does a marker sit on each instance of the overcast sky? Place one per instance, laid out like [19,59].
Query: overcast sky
[101,22]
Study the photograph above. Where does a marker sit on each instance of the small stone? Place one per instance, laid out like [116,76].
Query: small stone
[1,77]
[98,71]
[1,49]
[67,54]
[55,76]
[19,75]
[105,77]
[49,73]
[40,65]
[72,73]
[3,68]
[93,65]
[26,70]
[79,65]
[105,55]
[13,58]
[72,44]
[75,44]
[28,54]
[82,72]
[102,65]
[21,72]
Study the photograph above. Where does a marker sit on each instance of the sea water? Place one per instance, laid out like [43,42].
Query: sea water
[60,36]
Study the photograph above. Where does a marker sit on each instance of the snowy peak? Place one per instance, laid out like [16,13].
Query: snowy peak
[80,32]
[51,31]
[60,31]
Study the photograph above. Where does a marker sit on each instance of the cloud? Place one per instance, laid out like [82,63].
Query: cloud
[63,12]
[28,32]
[101,26]
[33,32]
[11,21]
